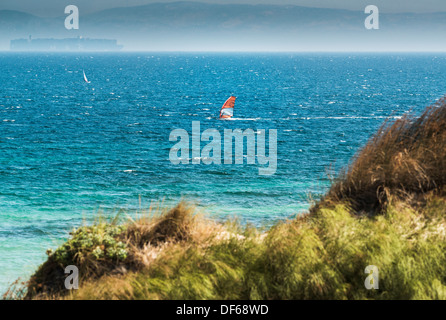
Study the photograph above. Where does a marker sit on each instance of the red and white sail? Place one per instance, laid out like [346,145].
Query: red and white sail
[227,111]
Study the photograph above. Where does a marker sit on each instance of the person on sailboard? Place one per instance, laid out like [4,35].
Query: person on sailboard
[227,111]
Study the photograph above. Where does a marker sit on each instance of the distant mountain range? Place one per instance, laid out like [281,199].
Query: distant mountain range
[200,26]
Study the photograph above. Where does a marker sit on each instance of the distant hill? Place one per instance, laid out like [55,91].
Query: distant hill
[200,26]
[12,21]
[16,23]
[231,16]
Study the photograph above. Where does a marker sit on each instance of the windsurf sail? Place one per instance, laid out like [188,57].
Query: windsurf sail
[227,111]
[85,77]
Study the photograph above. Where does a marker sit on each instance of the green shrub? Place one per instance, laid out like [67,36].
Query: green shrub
[97,241]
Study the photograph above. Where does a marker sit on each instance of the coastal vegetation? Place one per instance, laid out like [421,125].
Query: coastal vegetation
[387,209]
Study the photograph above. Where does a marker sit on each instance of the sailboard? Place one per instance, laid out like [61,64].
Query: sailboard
[227,111]
[85,77]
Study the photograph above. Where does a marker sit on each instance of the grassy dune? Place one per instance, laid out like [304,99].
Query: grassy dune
[388,209]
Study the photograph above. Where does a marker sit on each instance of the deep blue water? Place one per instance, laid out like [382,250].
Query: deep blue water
[68,148]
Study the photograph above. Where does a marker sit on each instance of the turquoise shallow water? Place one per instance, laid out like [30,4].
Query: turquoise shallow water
[68,148]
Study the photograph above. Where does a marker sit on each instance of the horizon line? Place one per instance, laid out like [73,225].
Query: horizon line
[230,51]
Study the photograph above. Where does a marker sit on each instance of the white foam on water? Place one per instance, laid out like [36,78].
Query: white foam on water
[242,119]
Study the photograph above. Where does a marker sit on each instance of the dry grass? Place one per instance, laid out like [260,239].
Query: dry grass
[406,160]
[141,241]
[175,225]
[150,235]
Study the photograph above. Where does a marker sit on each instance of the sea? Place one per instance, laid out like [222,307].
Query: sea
[72,150]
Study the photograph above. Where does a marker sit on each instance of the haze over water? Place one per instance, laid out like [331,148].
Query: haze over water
[68,148]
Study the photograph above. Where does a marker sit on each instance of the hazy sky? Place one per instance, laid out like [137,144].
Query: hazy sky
[176,28]
[56,7]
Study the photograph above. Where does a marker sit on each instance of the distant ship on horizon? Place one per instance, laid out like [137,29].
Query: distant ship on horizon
[67,44]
